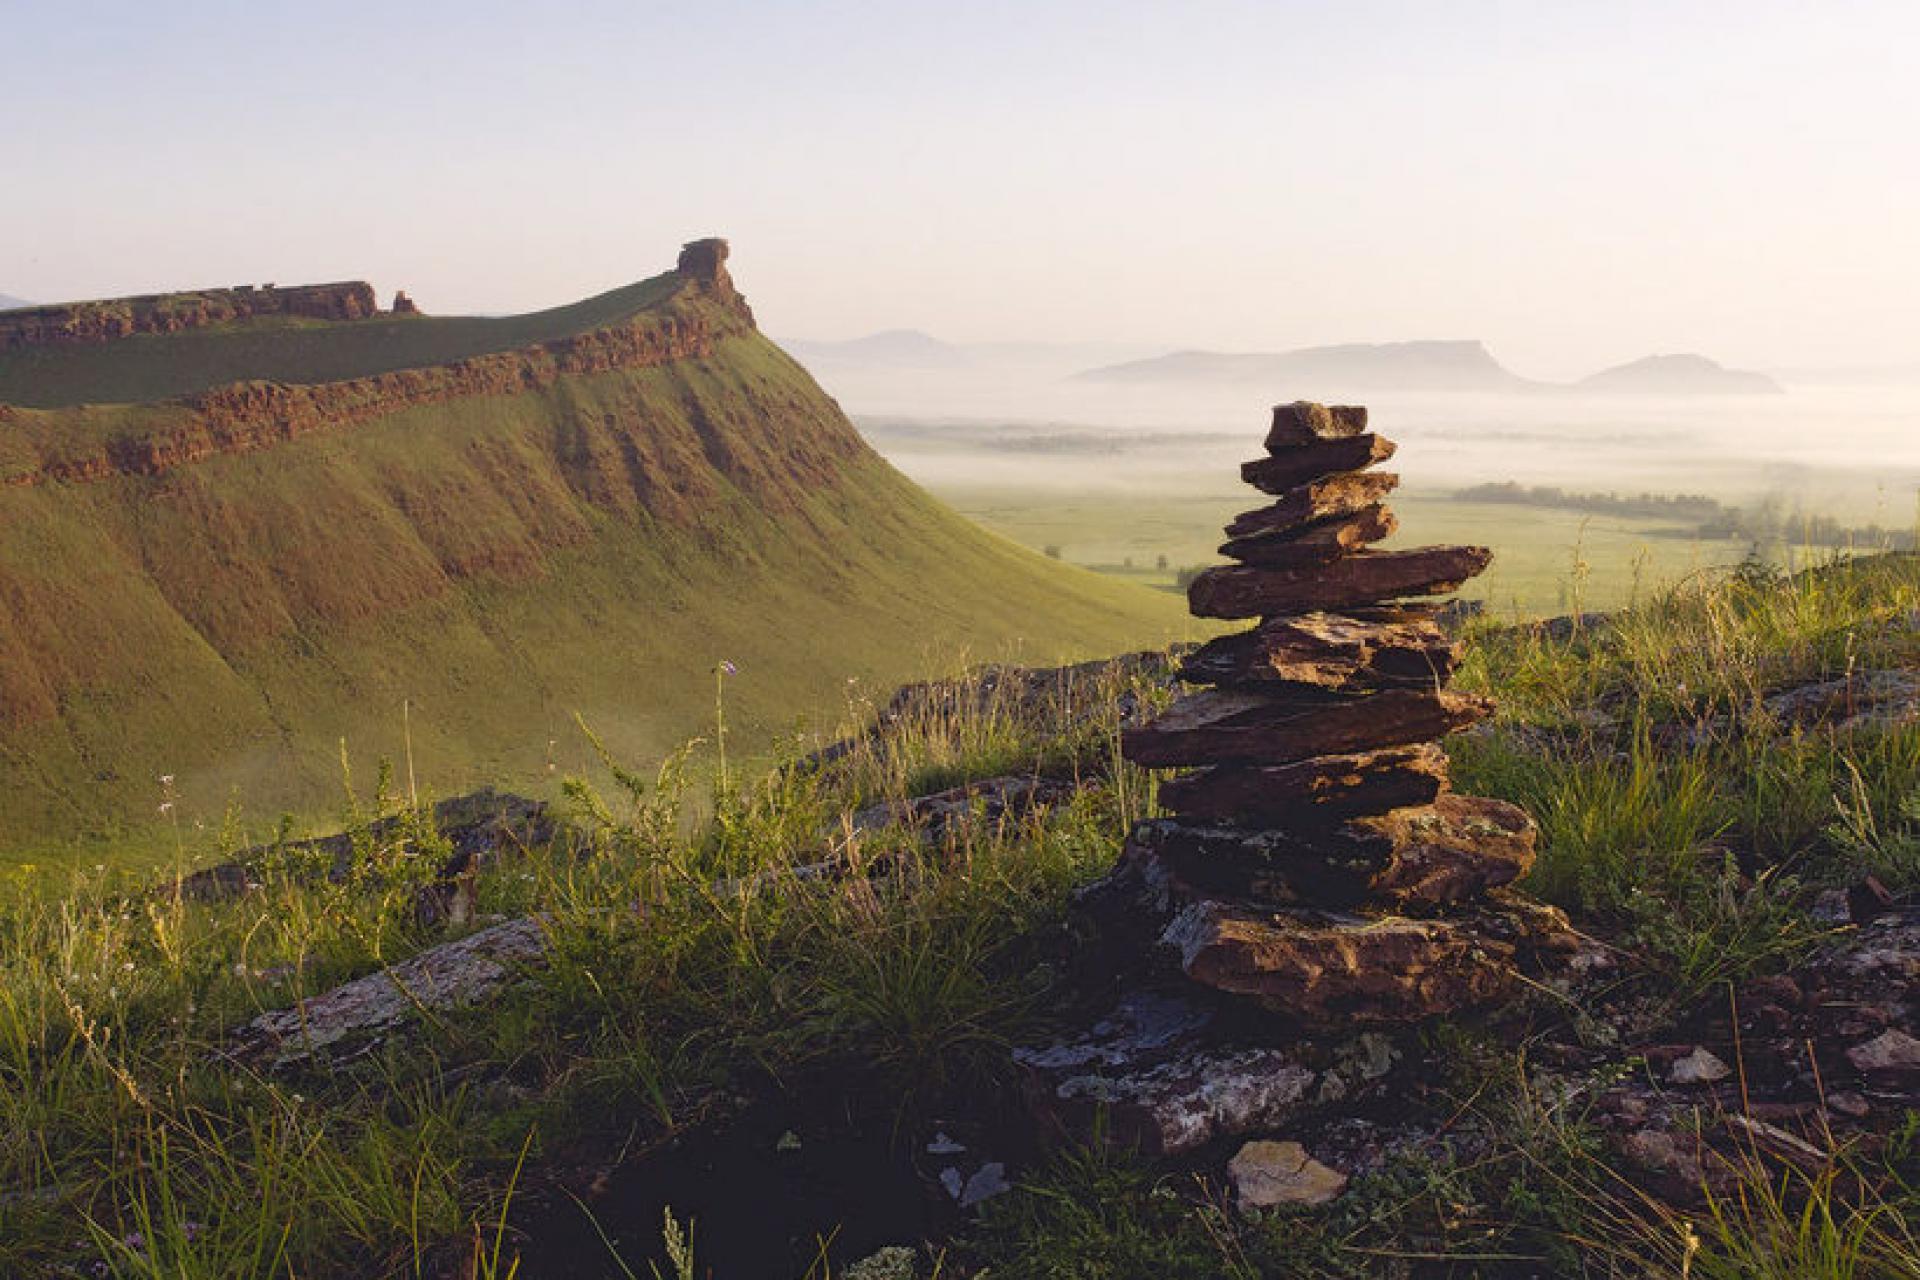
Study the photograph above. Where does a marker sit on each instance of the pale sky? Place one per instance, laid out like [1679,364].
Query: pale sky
[1574,183]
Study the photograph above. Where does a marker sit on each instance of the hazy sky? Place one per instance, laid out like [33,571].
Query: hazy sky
[1576,183]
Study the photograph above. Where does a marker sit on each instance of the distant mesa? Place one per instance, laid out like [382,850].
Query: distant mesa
[890,348]
[1388,366]
[1680,375]
[9,303]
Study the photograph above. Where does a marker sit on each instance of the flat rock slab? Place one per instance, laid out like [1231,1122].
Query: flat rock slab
[1451,851]
[1304,422]
[1301,464]
[1160,1077]
[1327,970]
[1329,651]
[1320,543]
[439,979]
[1338,495]
[1242,591]
[1316,791]
[1219,726]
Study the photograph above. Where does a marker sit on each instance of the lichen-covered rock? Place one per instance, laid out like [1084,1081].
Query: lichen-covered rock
[442,978]
[1157,1075]
[1328,970]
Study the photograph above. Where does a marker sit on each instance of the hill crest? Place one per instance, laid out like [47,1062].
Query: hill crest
[224,583]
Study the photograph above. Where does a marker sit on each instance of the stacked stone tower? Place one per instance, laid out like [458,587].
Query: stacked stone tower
[1317,862]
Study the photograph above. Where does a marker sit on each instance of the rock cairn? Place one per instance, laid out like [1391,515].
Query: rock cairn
[1316,861]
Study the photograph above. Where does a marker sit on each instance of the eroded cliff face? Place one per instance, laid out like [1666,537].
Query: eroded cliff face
[109,319]
[254,415]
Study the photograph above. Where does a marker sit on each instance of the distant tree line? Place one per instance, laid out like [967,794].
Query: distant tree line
[1773,519]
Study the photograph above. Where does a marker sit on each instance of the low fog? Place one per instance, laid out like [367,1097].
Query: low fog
[1823,447]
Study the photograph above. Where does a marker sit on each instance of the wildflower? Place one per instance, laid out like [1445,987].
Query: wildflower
[126,966]
[726,668]
[166,779]
[166,806]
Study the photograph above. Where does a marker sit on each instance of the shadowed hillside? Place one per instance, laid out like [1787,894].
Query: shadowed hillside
[496,523]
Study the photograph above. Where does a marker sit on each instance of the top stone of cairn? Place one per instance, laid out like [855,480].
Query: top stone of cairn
[1304,422]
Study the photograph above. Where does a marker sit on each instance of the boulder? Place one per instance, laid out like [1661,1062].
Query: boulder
[1242,591]
[1291,467]
[1220,726]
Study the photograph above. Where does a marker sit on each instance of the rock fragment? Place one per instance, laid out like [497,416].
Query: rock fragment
[1266,1174]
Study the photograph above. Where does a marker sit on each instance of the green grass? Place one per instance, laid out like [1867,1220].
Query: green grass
[125,1140]
[473,574]
[148,367]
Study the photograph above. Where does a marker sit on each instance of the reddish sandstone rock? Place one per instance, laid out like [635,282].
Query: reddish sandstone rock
[1330,651]
[1227,726]
[1329,970]
[1446,852]
[1310,792]
[1340,495]
[403,305]
[1317,543]
[114,318]
[1304,422]
[1291,467]
[1454,849]
[1240,591]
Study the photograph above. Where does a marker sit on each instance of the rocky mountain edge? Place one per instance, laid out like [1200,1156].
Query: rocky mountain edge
[1193,1077]
[110,319]
[248,416]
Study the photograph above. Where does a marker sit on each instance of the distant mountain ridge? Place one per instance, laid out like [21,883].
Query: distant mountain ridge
[1427,365]
[1443,365]
[10,303]
[1679,375]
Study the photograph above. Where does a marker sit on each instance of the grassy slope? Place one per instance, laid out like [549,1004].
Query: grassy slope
[501,565]
[901,997]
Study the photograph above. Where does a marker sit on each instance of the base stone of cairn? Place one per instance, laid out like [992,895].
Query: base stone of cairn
[1316,879]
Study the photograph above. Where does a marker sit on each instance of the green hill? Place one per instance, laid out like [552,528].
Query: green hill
[493,523]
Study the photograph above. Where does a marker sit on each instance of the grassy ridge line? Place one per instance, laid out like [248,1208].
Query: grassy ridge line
[149,367]
[595,546]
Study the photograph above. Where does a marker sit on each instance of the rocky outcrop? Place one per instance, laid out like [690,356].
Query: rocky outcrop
[114,318]
[248,416]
